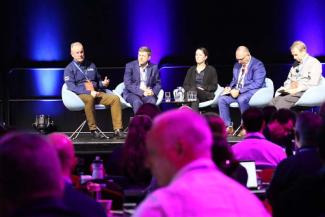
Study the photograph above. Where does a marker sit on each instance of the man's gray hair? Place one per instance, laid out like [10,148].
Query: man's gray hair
[73,44]
[301,46]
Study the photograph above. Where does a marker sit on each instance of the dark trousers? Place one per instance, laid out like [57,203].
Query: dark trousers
[286,101]
[226,100]
[137,101]
[202,96]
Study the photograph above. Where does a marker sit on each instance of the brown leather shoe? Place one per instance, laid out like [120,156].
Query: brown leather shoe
[230,131]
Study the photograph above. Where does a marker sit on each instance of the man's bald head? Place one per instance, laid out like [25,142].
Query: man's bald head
[242,55]
[176,139]
[243,49]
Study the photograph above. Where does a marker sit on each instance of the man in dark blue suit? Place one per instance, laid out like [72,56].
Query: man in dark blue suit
[248,76]
[141,80]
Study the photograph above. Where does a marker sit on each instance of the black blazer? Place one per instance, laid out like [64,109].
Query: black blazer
[210,79]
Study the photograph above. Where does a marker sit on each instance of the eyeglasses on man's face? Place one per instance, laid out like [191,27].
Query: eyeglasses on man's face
[241,59]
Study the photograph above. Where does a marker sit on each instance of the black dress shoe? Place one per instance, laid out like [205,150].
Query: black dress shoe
[118,134]
[97,135]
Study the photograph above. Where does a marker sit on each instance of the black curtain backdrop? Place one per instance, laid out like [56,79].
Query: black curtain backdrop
[104,27]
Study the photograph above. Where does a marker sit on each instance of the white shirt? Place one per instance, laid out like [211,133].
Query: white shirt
[143,77]
[200,189]
[308,73]
[241,77]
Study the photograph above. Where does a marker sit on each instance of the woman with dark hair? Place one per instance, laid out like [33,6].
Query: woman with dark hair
[222,155]
[134,151]
[129,159]
[201,78]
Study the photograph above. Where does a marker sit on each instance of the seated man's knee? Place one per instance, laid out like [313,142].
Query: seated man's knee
[115,98]
[222,100]
[151,100]
[88,99]
[137,103]
[242,100]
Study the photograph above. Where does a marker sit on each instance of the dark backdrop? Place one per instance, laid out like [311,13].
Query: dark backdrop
[38,33]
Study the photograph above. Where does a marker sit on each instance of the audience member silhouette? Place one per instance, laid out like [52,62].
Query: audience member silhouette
[254,145]
[222,154]
[30,183]
[268,112]
[305,163]
[129,159]
[280,130]
[73,198]
[148,109]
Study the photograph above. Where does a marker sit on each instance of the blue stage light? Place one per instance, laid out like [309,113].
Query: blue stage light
[44,22]
[150,25]
[47,80]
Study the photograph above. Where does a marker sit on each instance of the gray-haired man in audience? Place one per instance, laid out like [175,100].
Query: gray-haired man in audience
[179,155]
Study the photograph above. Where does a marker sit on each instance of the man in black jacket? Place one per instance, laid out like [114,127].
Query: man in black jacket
[305,163]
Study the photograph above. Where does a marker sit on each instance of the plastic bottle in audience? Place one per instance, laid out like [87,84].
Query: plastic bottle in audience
[98,168]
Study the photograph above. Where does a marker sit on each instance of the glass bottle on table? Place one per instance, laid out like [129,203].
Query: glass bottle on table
[167,97]
[97,168]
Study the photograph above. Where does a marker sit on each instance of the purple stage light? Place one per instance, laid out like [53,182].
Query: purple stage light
[306,23]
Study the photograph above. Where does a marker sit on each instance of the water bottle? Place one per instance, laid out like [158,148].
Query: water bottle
[181,93]
[98,168]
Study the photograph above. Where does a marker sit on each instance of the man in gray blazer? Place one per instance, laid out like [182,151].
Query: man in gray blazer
[304,73]
[141,80]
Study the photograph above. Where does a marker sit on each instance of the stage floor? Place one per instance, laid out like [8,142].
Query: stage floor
[85,144]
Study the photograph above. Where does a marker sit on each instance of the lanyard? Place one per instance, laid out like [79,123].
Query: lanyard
[241,77]
[81,70]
